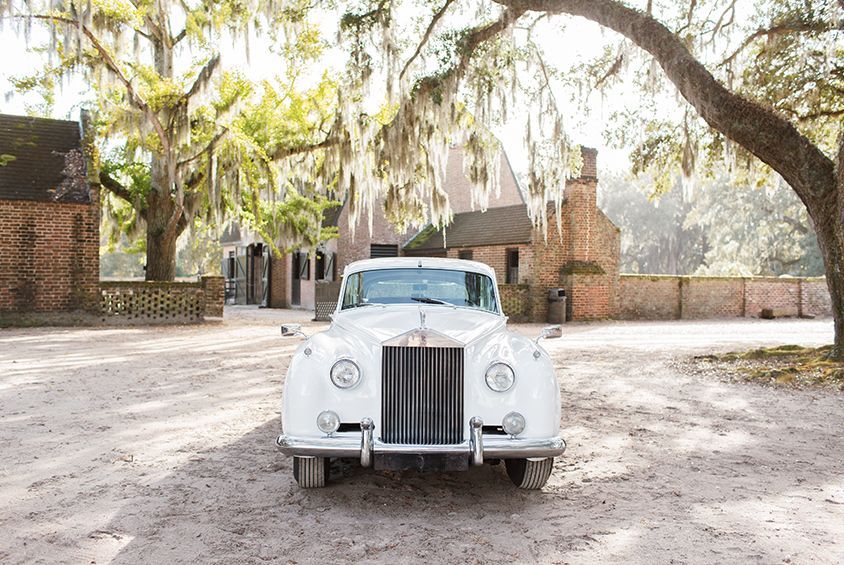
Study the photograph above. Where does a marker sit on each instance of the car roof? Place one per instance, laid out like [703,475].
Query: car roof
[419,262]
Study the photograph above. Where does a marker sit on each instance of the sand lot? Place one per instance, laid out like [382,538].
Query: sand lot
[156,446]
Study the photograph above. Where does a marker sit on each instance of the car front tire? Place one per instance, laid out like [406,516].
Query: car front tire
[311,472]
[529,474]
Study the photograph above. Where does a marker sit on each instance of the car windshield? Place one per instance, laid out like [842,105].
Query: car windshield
[413,286]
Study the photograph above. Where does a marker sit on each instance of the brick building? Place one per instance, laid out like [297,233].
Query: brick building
[582,258]
[49,219]
[292,280]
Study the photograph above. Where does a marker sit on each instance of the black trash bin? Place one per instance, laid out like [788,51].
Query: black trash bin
[556,305]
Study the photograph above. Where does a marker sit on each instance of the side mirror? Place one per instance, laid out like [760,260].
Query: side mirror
[289,330]
[550,332]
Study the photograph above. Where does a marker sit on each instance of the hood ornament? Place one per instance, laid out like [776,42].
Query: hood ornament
[423,336]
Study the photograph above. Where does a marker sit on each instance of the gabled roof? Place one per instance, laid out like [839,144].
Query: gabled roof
[497,226]
[41,159]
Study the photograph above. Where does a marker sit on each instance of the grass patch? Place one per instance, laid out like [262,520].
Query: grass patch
[785,365]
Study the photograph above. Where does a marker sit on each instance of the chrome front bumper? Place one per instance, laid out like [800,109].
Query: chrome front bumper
[363,445]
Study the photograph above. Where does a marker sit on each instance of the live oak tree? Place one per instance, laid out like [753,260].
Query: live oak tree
[179,136]
[763,129]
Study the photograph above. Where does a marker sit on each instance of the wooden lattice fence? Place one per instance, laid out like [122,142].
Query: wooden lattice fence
[152,302]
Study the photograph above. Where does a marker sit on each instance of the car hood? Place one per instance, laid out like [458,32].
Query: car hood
[381,324]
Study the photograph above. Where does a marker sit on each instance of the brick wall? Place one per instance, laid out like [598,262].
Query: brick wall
[279,267]
[496,257]
[351,249]
[712,297]
[782,295]
[665,297]
[459,189]
[814,298]
[515,301]
[49,256]
[644,297]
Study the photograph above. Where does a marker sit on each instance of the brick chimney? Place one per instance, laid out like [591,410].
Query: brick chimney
[581,195]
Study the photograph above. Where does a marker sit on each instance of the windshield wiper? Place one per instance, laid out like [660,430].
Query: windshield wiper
[428,300]
[359,304]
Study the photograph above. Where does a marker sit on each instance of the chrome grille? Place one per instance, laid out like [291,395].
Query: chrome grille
[422,395]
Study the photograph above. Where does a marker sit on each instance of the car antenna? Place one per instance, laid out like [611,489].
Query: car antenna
[420,263]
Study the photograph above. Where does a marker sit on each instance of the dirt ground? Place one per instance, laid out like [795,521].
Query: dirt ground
[156,446]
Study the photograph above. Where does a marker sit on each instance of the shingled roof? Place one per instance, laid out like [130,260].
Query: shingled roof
[41,159]
[497,226]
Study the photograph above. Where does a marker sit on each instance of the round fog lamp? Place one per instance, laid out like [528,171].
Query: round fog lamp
[513,423]
[328,422]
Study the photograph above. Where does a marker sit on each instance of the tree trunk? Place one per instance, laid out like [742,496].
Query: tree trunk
[830,233]
[163,216]
[161,255]
[161,238]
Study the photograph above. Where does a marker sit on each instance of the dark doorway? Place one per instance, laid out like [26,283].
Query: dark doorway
[512,273]
[301,270]
[255,287]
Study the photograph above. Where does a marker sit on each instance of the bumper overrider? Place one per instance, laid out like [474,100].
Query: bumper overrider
[365,446]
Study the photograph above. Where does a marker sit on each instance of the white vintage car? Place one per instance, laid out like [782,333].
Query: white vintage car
[418,371]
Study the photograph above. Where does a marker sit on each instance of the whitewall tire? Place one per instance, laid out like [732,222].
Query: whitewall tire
[310,472]
[529,474]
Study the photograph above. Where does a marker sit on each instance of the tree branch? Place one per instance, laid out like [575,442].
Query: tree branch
[115,187]
[779,29]
[797,225]
[111,65]
[467,48]
[770,137]
[437,16]
[284,152]
[209,147]
[204,75]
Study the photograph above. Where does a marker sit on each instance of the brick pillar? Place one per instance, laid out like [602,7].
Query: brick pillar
[278,282]
[214,291]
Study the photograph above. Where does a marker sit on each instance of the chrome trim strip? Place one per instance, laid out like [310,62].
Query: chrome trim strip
[349,444]
[504,447]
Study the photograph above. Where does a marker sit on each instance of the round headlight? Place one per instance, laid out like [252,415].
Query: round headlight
[500,377]
[513,423]
[328,422]
[345,374]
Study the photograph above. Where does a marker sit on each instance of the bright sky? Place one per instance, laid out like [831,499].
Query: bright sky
[580,40]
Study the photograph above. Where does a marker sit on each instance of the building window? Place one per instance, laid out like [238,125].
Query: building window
[512,272]
[465,254]
[377,250]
